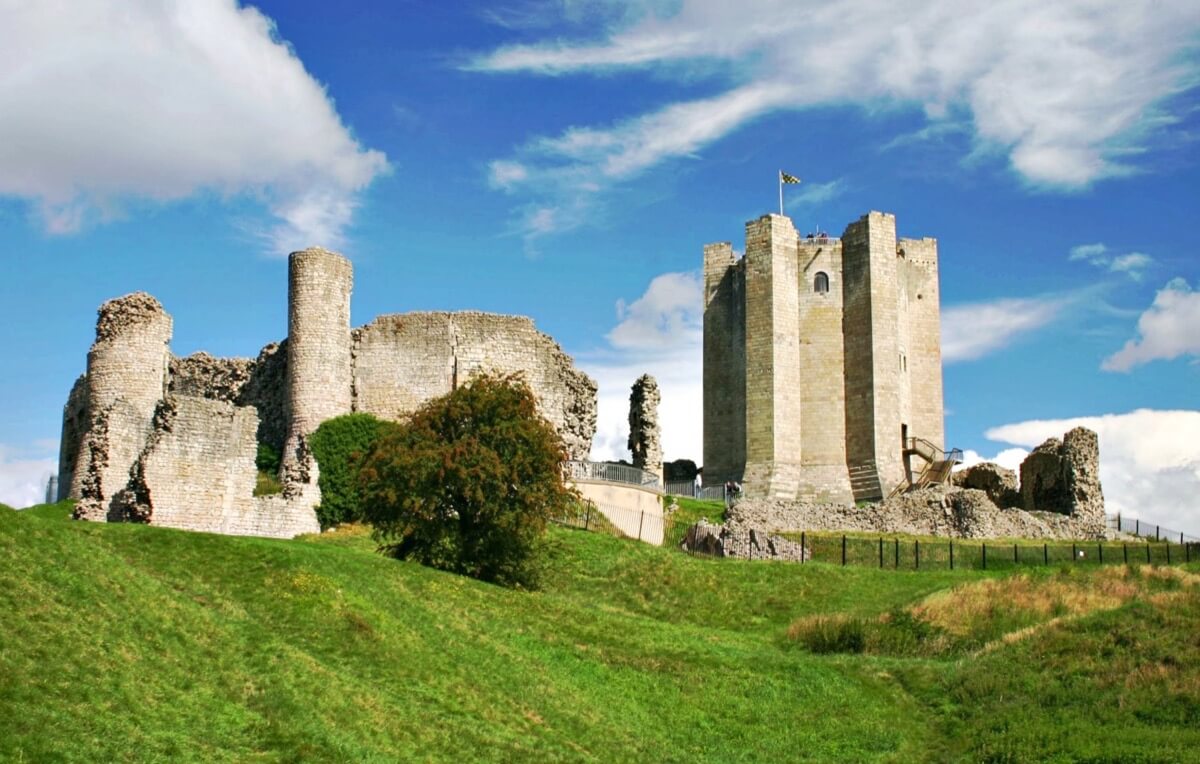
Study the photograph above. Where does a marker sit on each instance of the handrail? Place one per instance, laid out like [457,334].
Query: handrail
[611,473]
[931,453]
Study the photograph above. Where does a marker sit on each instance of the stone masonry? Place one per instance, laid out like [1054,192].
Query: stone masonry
[148,437]
[645,437]
[822,358]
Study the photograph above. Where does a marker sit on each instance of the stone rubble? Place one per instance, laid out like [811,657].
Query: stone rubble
[645,437]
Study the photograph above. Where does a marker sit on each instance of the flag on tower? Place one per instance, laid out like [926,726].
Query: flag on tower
[786,178]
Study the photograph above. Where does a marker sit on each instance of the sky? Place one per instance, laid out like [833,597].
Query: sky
[568,161]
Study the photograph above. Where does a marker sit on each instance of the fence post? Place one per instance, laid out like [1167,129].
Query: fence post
[1168,552]
[641,520]
[587,518]
[917,550]
[1100,549]
[803,546]
[843,550]
[1147,552]
[1015,560]
[1156,530]
[984,556]
[1045,553]
[951,555]
[881,551]
[897,554]
[1187,552]
[1181,537]
[1137,526]
[1074,554]
[1118,522]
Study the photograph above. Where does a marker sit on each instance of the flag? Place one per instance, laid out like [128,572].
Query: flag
[785,178]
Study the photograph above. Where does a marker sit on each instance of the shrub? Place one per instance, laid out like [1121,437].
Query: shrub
[339,445]
[267,459]
[469,482]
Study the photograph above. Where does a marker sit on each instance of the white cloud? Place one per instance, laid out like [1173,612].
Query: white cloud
[1168,329]
[974,330]
[1092,253]
[23,474]
[660,333]
[815,193]
[1149,461]
[1131,264]
[1009,458]
[1064,88]
[108,103]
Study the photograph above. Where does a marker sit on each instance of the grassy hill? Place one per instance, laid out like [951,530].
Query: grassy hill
[130,643]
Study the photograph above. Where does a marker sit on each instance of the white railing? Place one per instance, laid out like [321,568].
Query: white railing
[611,473]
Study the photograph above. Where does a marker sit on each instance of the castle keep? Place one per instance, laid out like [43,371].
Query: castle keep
[822,361]
[172,441]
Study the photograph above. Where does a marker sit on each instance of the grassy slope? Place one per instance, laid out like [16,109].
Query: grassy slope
[132,643]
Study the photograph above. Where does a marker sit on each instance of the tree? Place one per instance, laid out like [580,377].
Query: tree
[340,445]
[469,482]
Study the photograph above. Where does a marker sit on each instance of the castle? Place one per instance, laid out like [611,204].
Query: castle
[822,361]
[172,441]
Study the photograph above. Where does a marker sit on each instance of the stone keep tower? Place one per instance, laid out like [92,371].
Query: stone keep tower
[822,358]
[318,350]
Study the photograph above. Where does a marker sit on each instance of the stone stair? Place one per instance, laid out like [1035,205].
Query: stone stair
[865,483]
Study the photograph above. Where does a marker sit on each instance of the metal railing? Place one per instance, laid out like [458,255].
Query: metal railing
[931,453]
[1138,527]
[689,489]
[611,473]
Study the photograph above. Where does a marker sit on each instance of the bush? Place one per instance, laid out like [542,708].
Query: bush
[267,459]
[339,445]
[469,482]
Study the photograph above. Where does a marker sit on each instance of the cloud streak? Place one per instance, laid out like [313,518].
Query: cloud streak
[1064,89]
[106,104]
[974,330]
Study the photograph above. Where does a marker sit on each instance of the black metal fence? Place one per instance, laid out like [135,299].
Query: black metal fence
[1138,527]
[966,554]
[898,553]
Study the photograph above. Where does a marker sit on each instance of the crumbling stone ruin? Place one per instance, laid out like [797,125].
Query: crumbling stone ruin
[1063,481]
[149,437]
[822,362]
[645,437]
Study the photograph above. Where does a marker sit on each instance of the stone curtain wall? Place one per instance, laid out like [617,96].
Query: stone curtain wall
[126,378]
[401,361]
[172,441]
[197,473]
[645,437]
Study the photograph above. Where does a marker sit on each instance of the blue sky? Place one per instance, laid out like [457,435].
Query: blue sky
[568,161]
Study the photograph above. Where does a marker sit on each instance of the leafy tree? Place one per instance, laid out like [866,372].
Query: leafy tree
[469,482]
[340,445]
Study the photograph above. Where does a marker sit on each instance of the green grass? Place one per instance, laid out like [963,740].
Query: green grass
[134,643]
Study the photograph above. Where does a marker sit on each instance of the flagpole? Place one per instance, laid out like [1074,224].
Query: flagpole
[781,192]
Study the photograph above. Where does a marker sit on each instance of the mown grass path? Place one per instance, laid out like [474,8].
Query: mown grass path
[130,643]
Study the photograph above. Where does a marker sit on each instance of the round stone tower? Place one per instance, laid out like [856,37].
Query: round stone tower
[126,378]
[318,348]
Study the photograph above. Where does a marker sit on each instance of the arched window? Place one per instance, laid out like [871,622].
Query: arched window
[821,283]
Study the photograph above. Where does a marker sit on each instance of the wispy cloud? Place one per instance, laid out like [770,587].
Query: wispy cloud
[974,330]
[1065,89]
[1168,329]
[1132,264]
[196,96]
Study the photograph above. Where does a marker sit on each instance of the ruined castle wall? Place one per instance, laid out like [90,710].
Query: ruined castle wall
[822,375]
[645,436]
[74,429]
[773,398]
[318,349]
[260,382]
[197,473]
[401,361]
[724,365]
[923,348]
[870,327]
[126,378]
